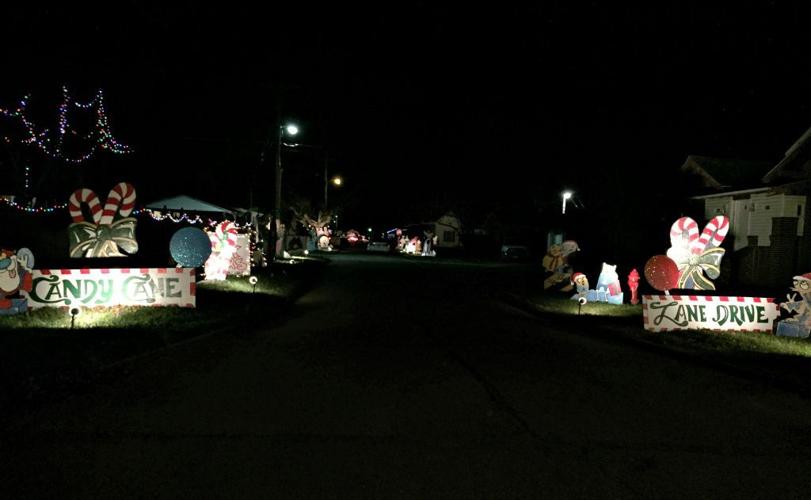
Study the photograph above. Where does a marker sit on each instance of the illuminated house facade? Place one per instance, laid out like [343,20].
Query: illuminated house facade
[770,237]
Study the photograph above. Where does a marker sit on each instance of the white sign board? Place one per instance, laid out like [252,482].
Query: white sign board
[112,287]
[662,313]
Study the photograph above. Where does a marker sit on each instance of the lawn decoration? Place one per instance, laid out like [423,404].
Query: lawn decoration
[190,247]
[15,276]
[240,263]
[696,255]
[110,288]
[633,285]
[663,313]
[798,325]
[556,261]
[608,287]
[662,273]
[223,244]
[581,284]
[104,236]
[319,229]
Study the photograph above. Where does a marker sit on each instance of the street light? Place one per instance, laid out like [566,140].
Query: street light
[277,212]
[567,195]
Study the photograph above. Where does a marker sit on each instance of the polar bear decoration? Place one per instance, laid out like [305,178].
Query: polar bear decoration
[608,287]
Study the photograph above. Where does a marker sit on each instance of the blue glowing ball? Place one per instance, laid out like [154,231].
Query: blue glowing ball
[190,247]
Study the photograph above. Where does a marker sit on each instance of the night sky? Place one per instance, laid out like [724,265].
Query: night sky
[422,109]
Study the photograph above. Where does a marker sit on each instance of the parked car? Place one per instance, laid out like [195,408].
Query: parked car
[378,247]
[514,252]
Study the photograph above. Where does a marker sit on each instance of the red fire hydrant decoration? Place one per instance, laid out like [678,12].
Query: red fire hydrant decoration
[633,284]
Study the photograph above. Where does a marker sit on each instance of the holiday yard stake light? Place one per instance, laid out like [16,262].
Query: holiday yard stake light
[696,255]
[103,237]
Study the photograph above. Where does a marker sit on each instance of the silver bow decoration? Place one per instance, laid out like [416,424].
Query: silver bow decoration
[103,240]
[693,267]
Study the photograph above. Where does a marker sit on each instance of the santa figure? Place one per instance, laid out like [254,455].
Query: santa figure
[15,276]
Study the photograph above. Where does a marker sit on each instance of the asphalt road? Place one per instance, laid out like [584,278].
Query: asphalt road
[406,378]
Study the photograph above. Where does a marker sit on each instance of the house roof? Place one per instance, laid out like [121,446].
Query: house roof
[186,204]
[784,166]
[726,173]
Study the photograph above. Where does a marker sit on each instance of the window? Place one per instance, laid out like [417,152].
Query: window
[799,210]
[766,207]
[449,236]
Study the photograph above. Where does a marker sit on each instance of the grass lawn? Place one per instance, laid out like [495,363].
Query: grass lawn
[40,349]
[626,319]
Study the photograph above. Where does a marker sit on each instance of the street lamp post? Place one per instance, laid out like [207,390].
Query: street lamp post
[277,210]
[566,197]
[326,179]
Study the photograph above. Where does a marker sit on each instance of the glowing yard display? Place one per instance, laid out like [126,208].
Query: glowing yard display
[112,287]
[104,236]
[663,313]
[240,262]
[223,246]
[696,255]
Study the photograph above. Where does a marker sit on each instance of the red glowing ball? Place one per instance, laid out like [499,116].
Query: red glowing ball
[662,273]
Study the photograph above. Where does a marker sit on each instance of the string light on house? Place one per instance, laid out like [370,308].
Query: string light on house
[33,210]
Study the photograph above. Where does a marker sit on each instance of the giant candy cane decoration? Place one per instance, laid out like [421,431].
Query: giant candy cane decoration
[713,235]
[697,256]
[104,235]
[84,196]
[120,200]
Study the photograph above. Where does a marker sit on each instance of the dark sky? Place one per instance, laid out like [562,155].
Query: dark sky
[422,108]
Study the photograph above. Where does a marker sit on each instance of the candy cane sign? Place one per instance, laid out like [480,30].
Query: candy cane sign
[698,255]
[103,236]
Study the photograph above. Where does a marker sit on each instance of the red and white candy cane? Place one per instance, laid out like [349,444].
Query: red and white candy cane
[84,196]
[713,235]
[681,226]
[227,233]
[121,199]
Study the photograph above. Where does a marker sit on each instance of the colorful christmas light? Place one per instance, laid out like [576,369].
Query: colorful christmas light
[53,147]
[33,210]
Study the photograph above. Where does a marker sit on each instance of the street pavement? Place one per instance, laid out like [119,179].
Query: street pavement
[408,378]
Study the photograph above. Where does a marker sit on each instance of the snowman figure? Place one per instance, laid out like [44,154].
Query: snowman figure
[798,325]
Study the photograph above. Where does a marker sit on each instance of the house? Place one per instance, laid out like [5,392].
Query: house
[448,229]
[767,208]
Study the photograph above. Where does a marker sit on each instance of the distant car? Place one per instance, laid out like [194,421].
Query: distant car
[378,246]
[514,252]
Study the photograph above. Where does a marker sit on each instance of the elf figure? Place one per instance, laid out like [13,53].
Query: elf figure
[798,325]
[581,283]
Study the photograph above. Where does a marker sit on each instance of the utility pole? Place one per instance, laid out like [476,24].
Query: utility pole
[326,178]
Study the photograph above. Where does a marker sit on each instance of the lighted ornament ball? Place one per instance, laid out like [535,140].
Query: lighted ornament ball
[662,273]
[190,247]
